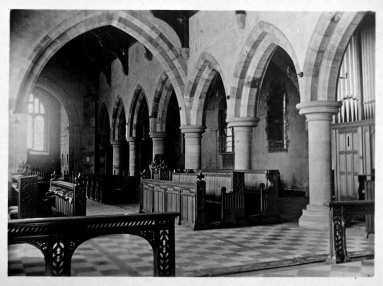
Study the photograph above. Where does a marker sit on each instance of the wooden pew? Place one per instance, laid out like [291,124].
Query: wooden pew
[264,185]
[25,187]
[112,189]
[228,190]
[166,196]
[70,199]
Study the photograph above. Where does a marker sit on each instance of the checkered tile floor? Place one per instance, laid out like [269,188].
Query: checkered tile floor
[198,253]
[364,268]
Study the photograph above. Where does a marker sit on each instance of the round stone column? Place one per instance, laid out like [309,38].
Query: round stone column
[243,130]
[117,155]
[158,139]
[132,156]
[318,116]
[193,135]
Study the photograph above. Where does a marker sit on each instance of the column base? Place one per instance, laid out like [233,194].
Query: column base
[316,217]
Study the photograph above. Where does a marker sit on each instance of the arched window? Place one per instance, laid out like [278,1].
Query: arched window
[225,133]
[277,116]
[37,125]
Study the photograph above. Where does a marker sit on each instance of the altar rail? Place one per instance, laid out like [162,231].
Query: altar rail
[165,196]
[58,238]
[340,213]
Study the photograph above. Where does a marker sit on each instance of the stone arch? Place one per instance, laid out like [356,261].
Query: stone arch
[103,122]
[161,99]
[69,107]
[324,55]
[132,22]
[251,65]
[138,97]
[206,68]
[118,121]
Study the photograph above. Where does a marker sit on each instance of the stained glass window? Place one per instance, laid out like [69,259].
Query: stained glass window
[36,134]
[277,116]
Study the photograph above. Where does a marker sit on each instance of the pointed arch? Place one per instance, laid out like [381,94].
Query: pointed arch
[104,124]
[161,100]
[69,107]
[250,67]
[205,70]
[324,55]
[134,23]
[118,121]
[138,98]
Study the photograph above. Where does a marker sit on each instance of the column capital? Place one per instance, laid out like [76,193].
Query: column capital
[192,128]
[131,140]
[117,142]
[319,110]
[157,134]
[242,122]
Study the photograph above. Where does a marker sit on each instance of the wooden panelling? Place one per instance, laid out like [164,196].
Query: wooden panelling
[167,196]
[352,156]
[74,193]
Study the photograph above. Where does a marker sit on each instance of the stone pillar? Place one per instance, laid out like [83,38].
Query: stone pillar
[193,135]
[75,156]
[158,139]
[117,155]
[318,116]
[101,158]
[132,156]
[243,131]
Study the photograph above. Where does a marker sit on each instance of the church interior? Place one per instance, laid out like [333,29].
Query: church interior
[198,124]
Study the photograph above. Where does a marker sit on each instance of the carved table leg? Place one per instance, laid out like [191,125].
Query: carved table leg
[344,222]
[338,239]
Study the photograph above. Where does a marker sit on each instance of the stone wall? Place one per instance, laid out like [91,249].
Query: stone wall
[292,163]
[64,140]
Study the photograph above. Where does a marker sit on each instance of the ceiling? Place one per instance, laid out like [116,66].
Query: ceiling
[94,51]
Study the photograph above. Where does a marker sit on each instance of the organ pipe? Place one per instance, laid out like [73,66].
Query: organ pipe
[356,84]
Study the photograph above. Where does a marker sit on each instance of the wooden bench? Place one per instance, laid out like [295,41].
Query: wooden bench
[166,196]
[69,198]
[58,238]
[25,190]
[112,189]
[228,190]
